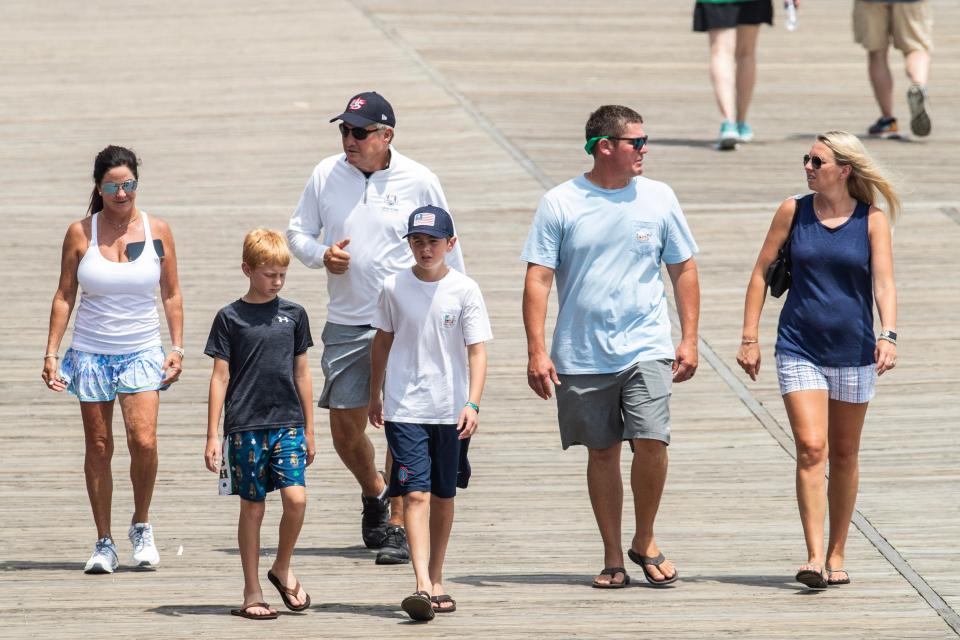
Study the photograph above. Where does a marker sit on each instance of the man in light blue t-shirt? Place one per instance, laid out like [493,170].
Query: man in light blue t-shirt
[604,235]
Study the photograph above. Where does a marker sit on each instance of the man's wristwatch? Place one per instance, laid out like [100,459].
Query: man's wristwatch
[889,336]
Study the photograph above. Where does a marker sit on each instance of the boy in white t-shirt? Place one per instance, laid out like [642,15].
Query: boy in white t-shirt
[431,322]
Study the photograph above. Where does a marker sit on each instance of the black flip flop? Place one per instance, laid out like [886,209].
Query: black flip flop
[285,593]
[437,600]
[243,613]
[655,561]
[831,582]
[418,606]
[811,579]
[612,571]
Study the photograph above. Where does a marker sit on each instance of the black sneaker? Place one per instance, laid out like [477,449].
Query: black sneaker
[373,524]
[395,549]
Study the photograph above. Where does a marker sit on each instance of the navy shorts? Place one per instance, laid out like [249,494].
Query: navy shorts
[427,457]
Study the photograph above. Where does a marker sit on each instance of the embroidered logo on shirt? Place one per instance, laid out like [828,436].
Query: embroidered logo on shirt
[391,200]
[283,319]
[449,320]
[424,220]
[643,236]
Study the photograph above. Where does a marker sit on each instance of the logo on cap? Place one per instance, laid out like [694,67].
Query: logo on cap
[357,103]
[424,220]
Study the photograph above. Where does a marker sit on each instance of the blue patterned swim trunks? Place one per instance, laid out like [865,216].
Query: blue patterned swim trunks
[259,461]
[97,377]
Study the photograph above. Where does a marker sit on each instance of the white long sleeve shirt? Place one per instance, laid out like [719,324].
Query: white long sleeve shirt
[340,202]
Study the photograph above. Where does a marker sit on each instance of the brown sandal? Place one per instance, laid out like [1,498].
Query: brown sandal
[244,612]
[285,593]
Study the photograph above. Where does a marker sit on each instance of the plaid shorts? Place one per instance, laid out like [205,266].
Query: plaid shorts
[847,384]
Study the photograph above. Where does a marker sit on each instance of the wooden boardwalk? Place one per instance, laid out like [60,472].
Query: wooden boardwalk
[227,102]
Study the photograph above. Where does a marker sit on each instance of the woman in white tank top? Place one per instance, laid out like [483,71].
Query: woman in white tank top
[117,257]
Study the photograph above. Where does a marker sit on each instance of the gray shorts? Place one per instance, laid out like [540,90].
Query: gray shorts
[600,410]
[346,366]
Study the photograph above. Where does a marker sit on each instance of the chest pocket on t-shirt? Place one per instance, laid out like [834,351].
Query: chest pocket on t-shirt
[643,241]
[449,318]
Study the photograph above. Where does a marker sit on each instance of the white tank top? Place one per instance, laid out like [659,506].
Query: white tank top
[118,305]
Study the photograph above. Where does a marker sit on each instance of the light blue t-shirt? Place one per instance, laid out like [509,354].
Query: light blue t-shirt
[606,247]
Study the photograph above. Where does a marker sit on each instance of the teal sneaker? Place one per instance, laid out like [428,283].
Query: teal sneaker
[744,132]
[728,136]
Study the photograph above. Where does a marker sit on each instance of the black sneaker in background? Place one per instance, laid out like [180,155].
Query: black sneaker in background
[373,524]
[885,128]
[395,549]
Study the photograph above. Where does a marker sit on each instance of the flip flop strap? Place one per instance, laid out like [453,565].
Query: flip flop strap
[442,598]
[612,571]
[656,561]
[292,591]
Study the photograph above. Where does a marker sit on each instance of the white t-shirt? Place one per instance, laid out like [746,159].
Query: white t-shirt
[432,324]
[342,202]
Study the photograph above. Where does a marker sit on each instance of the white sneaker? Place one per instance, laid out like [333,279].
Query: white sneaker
[104,558]
[145,552]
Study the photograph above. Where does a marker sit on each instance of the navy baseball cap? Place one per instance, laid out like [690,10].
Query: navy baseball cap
[367,108]
[430,220]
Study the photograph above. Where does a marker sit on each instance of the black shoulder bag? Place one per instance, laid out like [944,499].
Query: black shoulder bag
[778,273]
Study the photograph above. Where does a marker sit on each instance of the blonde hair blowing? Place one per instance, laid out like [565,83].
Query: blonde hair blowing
[867,180]
[265,246]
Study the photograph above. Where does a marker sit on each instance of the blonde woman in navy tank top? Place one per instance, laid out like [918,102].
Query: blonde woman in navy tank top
[117,257]
[827,354]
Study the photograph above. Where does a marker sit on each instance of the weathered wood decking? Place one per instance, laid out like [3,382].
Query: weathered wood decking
[227,103]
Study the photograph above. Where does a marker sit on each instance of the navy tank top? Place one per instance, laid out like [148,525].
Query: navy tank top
[827,318]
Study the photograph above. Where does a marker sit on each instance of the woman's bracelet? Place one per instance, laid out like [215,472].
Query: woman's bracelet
[749,342]
[51,355]
[473,406]
[179,350]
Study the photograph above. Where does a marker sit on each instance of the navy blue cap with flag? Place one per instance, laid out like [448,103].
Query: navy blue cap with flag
[430,220]
[367,108]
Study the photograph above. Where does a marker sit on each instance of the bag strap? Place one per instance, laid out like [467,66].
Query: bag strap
[793,223]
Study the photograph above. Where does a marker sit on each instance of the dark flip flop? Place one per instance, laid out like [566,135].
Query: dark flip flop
[244,613]
[437,600]
[655,561]
[285,593]
[418,606]
[811,579]
[832,582]
[612,571]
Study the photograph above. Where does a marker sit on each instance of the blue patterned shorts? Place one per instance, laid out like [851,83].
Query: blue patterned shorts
[847,384]
[97,377]
[259,461]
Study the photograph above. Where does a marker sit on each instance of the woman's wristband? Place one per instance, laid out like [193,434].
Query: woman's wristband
[473,406]
[749,342]
[51,355]
[179,350]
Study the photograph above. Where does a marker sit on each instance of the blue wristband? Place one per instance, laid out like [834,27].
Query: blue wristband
[473,406]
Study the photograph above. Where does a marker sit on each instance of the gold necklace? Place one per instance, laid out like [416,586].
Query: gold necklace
[118,227]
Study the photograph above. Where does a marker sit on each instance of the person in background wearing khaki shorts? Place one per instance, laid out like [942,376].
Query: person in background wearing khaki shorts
[909,23]
[605,234]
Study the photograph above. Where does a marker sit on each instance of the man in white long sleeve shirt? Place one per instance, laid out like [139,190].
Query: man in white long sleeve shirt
[359,202]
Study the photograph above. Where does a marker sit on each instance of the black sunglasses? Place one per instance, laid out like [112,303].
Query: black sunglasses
[815,161]
[357,132]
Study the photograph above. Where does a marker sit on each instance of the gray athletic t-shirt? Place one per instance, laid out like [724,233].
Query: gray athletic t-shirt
[260,342]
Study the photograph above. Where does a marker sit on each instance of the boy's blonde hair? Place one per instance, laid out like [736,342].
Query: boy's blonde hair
[265,246]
